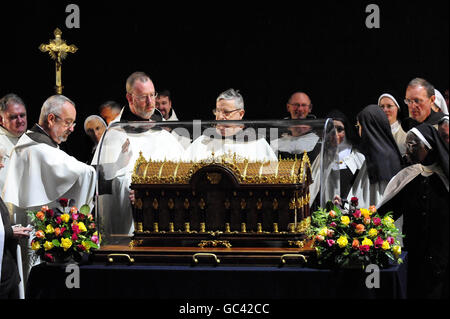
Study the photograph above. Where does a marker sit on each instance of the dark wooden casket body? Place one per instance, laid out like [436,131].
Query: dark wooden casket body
[225,211]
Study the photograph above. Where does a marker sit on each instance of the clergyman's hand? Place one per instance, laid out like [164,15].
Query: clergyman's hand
[131,196]
[21,232]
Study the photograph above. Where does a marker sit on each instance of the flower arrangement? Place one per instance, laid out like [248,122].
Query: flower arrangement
[357,237]
[63,234]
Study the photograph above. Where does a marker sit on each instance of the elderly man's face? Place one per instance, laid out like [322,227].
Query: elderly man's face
[164,105]
[14,119]
[95,129]
[142,99]
[62,125]
[226,111]
[299,106]
[416,151]
[419,104]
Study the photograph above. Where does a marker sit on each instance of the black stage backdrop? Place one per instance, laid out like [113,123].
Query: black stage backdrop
[199,49]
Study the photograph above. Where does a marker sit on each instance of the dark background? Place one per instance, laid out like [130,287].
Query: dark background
[199,49]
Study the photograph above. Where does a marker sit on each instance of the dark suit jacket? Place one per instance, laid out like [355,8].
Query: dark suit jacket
[10,272]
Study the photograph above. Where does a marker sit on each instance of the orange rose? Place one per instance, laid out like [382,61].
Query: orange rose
[57,231]
[40,234]
[355,243]
[73,210]
[40,215]
[367,221]
[332,214]
[44,208]
[359,229]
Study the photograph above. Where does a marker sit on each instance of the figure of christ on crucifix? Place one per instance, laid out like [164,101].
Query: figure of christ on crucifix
[58,49]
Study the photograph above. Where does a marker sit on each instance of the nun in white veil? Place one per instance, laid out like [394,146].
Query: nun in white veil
[392,109]
[439,103]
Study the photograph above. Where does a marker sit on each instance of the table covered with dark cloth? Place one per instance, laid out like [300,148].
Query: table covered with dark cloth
[213,282]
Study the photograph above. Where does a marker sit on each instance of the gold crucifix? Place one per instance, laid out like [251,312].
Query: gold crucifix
[58,49]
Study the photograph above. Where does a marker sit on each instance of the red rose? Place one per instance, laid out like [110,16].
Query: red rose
[74,237]
[81,247]
[48,257]
[364,249]
[63,202]
[50,213]
[354,201]
[58,220]
[76,229]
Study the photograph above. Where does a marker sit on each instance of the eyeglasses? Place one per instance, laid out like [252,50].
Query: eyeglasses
[142,98]
[416,101]
[297,105]
[67,123]
[225,113]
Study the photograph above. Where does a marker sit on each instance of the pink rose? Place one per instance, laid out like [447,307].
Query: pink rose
[333,224]
[74,237]
[376,221]
[390,240]
[357,214]
[48,257]
[330,233]
[378,242]
[76,229]
[95,239]
[330,242]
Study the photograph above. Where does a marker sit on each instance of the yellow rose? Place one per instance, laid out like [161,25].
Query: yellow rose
[385,245]
[66,243]
[35,245]
[48,245]
[342,241]
[82,227]
[389,222]
[323,231]
[86,245]
[345,220]
[373,232]
[65,218]
[49,229]
[397,250]
[367,242]
[365,212]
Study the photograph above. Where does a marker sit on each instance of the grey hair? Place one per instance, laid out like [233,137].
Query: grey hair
[53,105]
[424,83]
[8,99]
[232,94]
[136,76]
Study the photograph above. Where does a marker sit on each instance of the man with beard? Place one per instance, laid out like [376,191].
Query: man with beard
[121,145]
[40,173]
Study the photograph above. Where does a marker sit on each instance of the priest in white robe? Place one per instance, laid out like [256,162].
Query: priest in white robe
[232,141]
[120,148]
[13,123]
[39,173]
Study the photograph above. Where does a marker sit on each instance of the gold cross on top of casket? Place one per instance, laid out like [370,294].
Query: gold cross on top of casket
[58,49]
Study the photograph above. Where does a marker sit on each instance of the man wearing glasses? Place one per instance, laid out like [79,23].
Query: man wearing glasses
[420,97]
[121,146]
[40,173]
[299,106]
[230,140]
